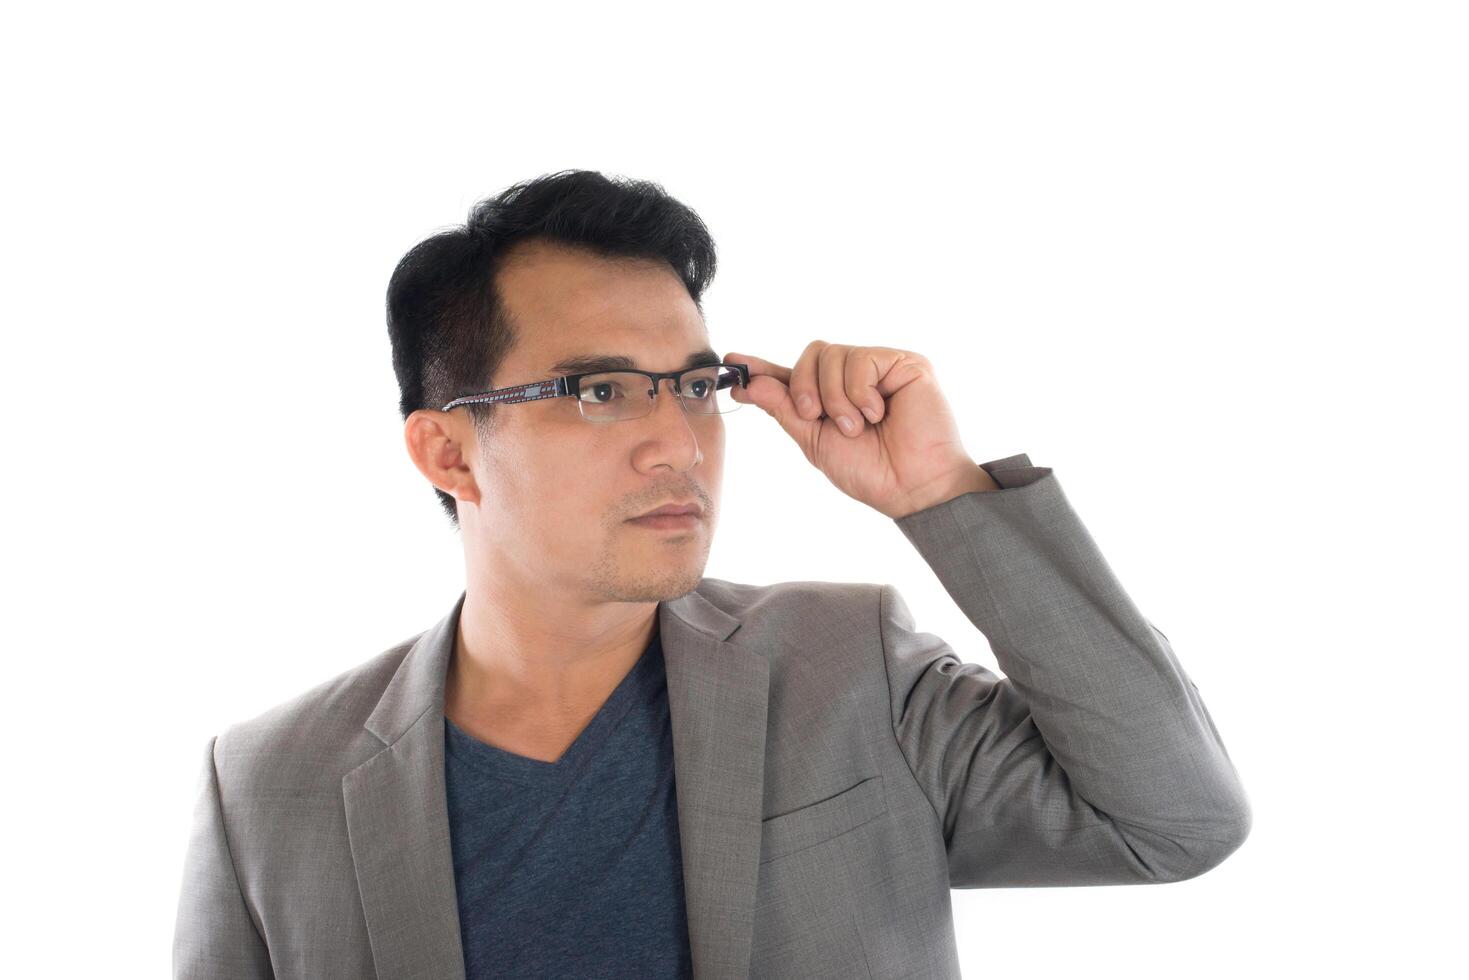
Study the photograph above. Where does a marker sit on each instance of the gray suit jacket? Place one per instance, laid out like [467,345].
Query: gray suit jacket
[836,771]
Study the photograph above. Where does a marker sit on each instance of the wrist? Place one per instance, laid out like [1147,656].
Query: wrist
[969,479]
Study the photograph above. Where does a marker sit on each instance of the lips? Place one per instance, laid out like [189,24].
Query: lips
[670,510]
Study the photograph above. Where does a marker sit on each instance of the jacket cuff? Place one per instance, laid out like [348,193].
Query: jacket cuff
[1011,473]
[1000,533]
[1014,471]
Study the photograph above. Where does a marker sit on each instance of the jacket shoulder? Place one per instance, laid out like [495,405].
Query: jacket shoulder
[796,607]
[319,731]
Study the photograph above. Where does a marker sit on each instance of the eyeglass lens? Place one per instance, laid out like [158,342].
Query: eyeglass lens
[613,396]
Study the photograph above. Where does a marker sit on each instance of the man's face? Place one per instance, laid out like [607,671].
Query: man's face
[556,489]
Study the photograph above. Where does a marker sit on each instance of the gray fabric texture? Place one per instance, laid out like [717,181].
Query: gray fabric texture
[837,771]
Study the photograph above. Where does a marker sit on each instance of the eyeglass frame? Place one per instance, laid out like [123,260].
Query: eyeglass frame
[569,386]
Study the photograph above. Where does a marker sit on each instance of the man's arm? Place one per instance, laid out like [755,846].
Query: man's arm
[1094,761]
[214,935]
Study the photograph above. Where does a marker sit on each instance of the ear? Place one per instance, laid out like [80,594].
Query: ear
[439,443]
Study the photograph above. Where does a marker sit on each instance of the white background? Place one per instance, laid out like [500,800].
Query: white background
[1207,261]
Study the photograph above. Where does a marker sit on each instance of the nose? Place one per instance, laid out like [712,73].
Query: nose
[678,448]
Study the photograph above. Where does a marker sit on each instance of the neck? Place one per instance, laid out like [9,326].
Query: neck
[536,660]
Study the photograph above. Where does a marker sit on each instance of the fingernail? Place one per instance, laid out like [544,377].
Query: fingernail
[871,413]
[846,424]
[804,405]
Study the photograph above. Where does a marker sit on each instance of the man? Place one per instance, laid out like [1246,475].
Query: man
[600,763]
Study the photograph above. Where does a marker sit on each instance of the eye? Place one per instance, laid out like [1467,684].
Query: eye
[604,391]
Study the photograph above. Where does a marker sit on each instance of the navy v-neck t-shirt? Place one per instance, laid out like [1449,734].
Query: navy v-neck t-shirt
[573,868]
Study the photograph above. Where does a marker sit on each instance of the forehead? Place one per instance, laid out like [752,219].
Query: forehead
[568,303]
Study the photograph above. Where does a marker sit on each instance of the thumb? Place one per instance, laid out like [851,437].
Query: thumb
[773,397]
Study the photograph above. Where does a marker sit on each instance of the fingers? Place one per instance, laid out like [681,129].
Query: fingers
[863,374]
[805,384]
[768,391]
[831,373]
[829,380]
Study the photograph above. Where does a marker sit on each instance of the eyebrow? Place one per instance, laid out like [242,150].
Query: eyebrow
[588,363]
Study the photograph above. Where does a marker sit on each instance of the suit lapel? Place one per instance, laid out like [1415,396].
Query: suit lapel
[717,698]
[398,820]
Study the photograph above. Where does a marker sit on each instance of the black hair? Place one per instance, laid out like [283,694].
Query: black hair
[449,328]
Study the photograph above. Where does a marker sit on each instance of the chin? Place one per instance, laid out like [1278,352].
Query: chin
[680,580]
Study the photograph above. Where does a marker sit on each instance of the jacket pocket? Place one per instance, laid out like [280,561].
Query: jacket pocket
[819,822]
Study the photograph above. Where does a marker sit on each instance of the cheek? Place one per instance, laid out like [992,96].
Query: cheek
[533,487]
[713,446]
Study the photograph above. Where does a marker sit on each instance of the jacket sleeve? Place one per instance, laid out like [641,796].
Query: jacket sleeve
[1093,761]
[214,934]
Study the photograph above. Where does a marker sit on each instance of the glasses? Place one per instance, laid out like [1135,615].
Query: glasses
[616,396]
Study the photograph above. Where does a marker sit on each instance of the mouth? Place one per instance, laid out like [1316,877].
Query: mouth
[667,522]
[672,510]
